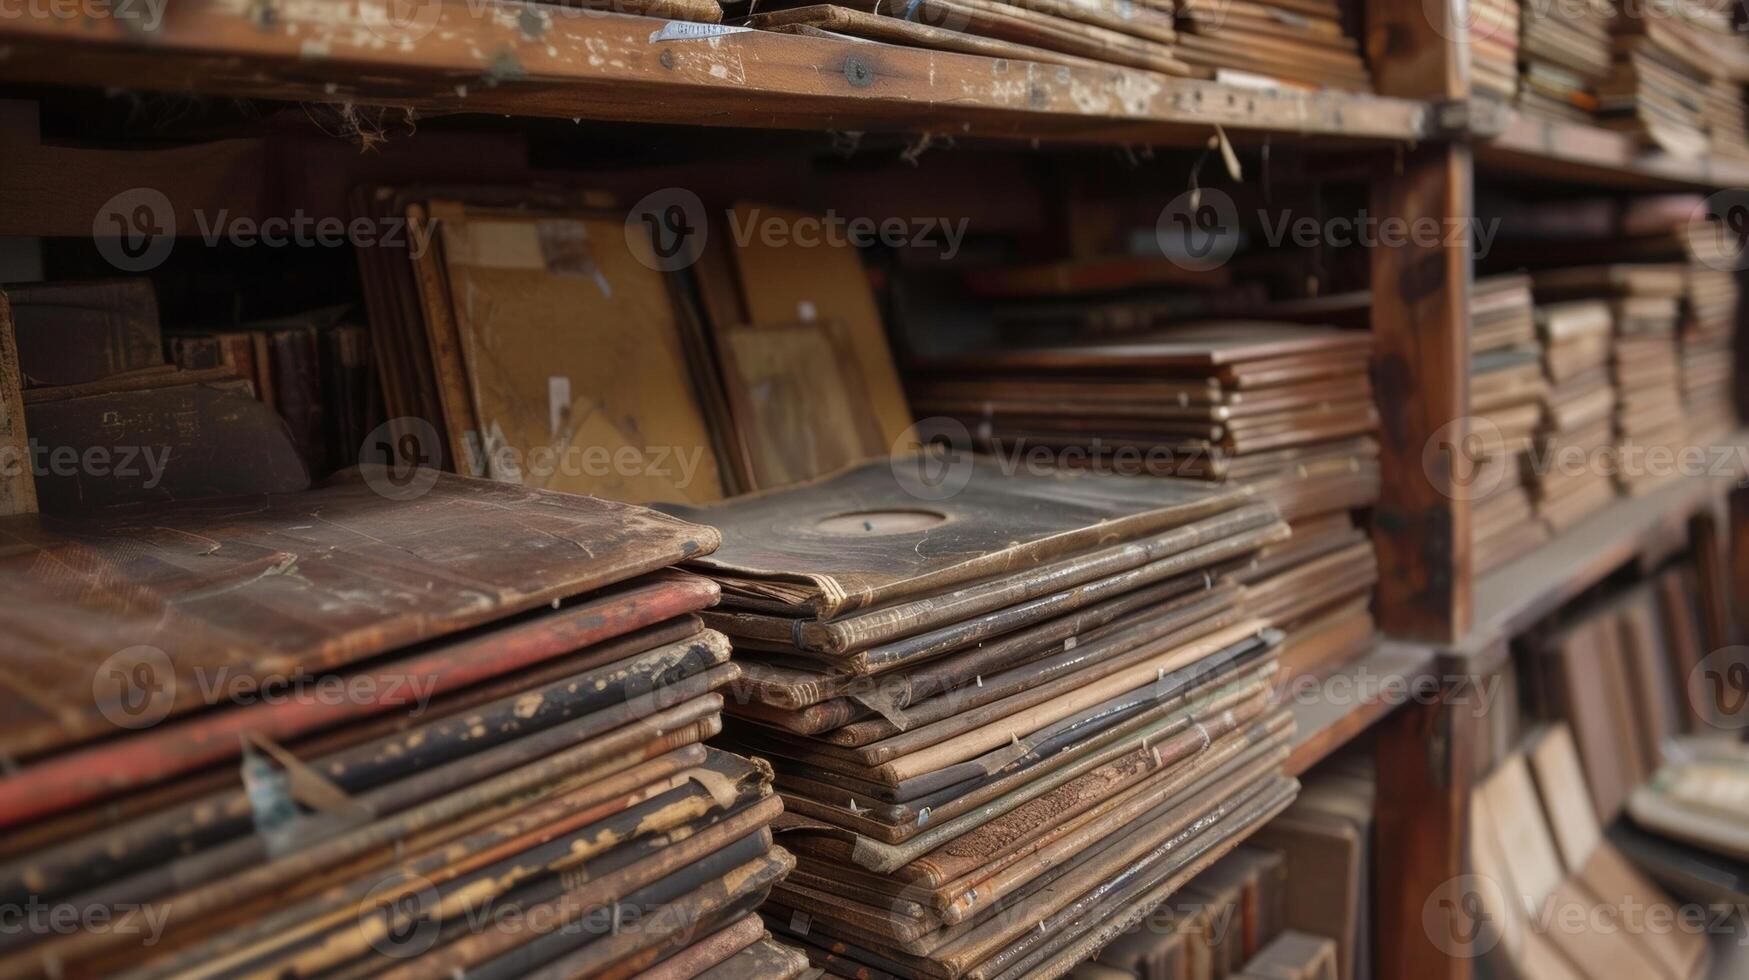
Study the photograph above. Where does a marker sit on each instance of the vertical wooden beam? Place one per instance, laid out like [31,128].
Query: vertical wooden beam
[1421,327]
[17,480]
[1737,547]
[1425,759]
[1706,541]
[1419,49]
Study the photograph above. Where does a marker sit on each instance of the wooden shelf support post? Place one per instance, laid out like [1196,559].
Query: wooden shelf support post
[1425,758]
[1420,324]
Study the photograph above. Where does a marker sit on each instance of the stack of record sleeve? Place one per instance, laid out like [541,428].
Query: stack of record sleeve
[1493,36]
[1650,425]
[1282,411]
[411,727]
[1302,43]
[1564,55]
[1658,90]
[1706,337]
[1678,77]
[1009,713]
[1062,32]
[1570,476]
[1507,392]
[1727,119]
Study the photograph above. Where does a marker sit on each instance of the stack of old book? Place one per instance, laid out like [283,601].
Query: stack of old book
[1564,52]
[1009,713]
[112,422]
[1301,43]
[1062,32]
[1507,393]
[1649,423]
[103,337]
[1570,476]
[1281,411]
[313,369]
[1493,36]
[1706,338]
[402,724]
[1660,85]
[1727,118]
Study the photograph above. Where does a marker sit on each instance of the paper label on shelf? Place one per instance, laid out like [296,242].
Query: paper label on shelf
[681,30]
[558,403]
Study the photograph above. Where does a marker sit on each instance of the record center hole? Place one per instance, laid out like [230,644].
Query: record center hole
[880,522]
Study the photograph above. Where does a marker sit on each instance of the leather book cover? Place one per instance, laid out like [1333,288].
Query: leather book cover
[73,332]
[17,477]
[174,442]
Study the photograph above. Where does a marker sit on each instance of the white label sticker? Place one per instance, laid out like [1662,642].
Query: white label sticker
[682,30]
[558,403]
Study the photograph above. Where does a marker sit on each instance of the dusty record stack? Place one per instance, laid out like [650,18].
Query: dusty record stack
[1494,47]
[1507,392]
[1564,52]
[1006,721]
[1281,411]
[1727,118]
[1708,327]
[1297,42]
[1649,422]
[1114,32]
[1659,88]
[459,732]
[1571,480]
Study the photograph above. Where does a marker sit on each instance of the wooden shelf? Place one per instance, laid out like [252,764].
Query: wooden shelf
[1518,594]
[1529,146]
[540,60]
[1324,725]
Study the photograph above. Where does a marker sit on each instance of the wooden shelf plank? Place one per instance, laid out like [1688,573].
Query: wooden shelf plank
[1513,597]
[1350,699]
[1530,146]
[541,60]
